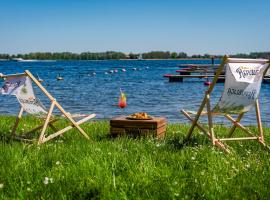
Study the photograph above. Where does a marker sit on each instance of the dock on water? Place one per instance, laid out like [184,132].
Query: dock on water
[200,71]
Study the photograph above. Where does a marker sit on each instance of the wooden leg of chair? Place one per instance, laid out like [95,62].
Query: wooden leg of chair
[194,122]
[259,121]
[17,122]
[217,142]
[232,129]
[210,122]
[243,128]
[41,137]
[60,132]
[39,127]
[67,115]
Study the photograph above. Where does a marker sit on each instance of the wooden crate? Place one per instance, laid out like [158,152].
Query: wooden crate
[155,127]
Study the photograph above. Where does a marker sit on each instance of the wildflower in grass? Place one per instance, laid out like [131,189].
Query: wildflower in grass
[1,185]
[57,162]
[247,165]
[46,181]
[192,158]
[51,180]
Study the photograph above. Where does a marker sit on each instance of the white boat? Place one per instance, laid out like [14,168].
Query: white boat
[23,60]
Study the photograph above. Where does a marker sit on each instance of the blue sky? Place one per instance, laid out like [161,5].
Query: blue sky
[192,26]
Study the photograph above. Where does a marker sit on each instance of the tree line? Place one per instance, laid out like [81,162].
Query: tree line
[113,55]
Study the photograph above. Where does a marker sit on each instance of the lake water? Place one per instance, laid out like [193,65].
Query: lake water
[145,88]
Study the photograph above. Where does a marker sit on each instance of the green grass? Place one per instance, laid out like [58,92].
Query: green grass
[128,168]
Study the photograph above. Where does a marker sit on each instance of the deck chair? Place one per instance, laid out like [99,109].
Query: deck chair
[20,85]
[243,80]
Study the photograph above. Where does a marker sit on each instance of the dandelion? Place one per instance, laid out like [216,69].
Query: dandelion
[1,185]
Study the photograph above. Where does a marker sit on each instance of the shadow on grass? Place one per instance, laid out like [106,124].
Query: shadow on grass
[179,143]
[4,138]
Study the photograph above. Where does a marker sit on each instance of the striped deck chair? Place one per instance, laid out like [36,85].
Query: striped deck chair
[242,86]
[20,85]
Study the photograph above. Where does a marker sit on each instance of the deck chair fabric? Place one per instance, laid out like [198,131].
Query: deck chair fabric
[20,85]
[243,80]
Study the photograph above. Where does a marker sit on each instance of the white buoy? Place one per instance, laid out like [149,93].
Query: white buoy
[59,78]
[39,79]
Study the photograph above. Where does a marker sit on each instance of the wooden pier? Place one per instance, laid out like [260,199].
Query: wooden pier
[199,71]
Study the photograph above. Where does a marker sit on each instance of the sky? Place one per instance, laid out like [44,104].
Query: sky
[191,26]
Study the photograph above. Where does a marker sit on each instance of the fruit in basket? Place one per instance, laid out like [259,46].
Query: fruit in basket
[140,115]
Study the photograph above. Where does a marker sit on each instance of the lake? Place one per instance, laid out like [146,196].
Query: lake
[145,88]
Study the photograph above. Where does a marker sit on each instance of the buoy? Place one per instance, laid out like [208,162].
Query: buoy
[207,83]
[59,78]
[115,71]
[124,70]
[39,79]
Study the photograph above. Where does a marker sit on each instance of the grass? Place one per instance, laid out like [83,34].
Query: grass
[126,168]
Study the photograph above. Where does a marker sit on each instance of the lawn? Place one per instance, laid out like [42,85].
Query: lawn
[72,167]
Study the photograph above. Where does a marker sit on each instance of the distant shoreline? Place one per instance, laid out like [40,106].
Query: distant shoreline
[36,60]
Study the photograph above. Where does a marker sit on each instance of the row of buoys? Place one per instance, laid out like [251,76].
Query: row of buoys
[112,71]
[60,78]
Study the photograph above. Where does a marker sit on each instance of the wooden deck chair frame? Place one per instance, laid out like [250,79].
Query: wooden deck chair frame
[49,120]
[236,122]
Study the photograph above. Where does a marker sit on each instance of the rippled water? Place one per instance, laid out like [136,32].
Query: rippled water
[146,89]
